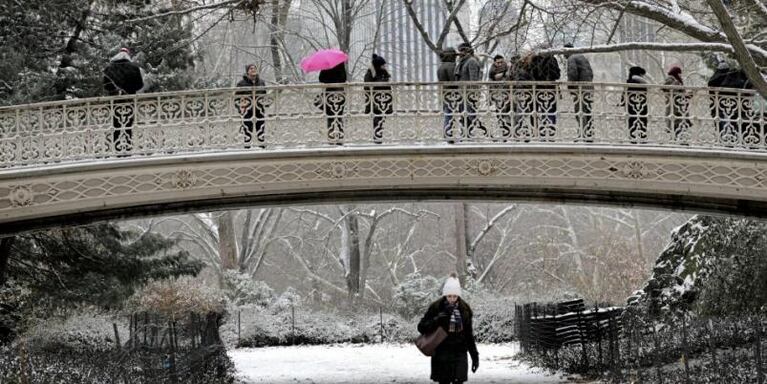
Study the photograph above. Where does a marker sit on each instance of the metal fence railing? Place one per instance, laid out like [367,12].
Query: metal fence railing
[301,116]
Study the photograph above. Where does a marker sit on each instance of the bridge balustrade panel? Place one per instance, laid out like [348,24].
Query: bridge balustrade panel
[306,116]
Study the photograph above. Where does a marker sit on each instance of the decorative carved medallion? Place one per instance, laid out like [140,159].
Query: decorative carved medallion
[632,170]
[184,179]
[21,196]
[338,170]
[485,167]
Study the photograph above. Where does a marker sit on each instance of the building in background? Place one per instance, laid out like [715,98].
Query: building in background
[400,42]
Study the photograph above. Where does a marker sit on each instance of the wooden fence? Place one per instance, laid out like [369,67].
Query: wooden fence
[552,326]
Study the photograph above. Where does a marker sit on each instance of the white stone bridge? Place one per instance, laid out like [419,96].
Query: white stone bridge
[77,161]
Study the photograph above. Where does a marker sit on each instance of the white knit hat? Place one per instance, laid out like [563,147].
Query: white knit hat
[452,286]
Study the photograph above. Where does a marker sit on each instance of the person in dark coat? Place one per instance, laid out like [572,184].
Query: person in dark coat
[677,105]
[251,106]
[524,100]
[333,101]
[122,77]
[727,107]
[469,69]
[635,101]
[452,100]
[500,95]
[579,71]
[544,67]
[379,100]
[449,364]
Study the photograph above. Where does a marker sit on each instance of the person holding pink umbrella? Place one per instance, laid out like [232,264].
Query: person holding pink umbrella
[330,63]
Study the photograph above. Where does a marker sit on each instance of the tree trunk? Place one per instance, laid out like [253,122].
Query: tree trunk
[5,256]
[353,274]
[638,235]
[227,241]
[346,36]
[459,210]
[274,30]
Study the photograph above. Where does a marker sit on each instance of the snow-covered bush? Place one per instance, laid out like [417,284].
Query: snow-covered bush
[88,330]
[290,298]
[414,294]
[395,329]
[285,325]
[175,298]
[493,319]
[243,289]
[278,326]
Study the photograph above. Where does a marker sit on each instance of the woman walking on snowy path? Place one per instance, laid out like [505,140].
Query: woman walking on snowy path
[449,364]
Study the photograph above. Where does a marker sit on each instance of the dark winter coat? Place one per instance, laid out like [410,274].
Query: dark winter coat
[246,101]
[545,68]
[497,73]
[449,363]
[333,75]
[727,78]
[579,69]
[381,101]
[468,69]
[333,99]
[446,71]
[247,82]
[637,96]
[122,77]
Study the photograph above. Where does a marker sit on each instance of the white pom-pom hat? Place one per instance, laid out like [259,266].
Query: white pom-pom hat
[452,287]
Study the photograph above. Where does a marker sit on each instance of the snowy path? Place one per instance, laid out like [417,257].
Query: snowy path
[377,363]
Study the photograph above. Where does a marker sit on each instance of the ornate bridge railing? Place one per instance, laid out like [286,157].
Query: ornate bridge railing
[302,116]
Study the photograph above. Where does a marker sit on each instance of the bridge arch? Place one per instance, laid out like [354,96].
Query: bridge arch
[663,178]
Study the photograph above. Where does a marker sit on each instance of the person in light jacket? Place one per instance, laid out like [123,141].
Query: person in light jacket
[449,364]
[469,69]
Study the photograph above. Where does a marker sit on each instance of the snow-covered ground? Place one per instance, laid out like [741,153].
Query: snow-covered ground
[373,363]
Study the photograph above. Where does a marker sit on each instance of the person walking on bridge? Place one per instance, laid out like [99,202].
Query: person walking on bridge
[545,68]
[378,99]
[122,77]
[449,364]
[333,101]
[251,106]
[728,107]
[469,69]
[635,100]
[452,102]
[501,96]
[579,71]
[677,106]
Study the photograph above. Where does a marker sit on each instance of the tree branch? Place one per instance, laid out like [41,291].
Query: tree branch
[187,11]
[742,53]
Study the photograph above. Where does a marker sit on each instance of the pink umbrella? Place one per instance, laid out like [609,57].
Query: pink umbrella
[323,59]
